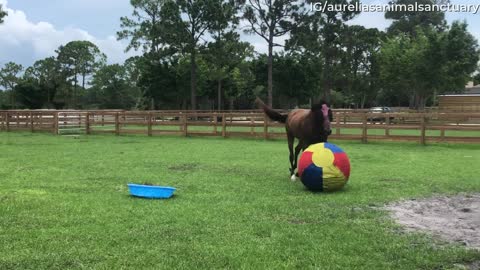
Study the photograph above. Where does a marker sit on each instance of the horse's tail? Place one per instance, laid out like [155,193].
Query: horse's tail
[274,115]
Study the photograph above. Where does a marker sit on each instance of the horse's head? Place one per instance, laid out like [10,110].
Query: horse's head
[324,115]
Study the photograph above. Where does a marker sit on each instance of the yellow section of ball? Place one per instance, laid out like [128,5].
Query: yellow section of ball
[324,158]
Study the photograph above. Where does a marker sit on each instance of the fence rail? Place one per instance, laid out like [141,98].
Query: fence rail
[349,125]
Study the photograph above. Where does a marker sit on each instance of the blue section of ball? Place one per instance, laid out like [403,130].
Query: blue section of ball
[312,178]
[333,148]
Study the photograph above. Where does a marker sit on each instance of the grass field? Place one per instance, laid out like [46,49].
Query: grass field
[64,204]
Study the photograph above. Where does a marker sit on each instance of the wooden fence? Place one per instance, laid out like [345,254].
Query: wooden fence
[347,125]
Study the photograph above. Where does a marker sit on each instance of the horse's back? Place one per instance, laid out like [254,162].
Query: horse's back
[296,122]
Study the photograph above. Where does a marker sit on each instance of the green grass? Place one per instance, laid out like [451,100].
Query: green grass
[64,204]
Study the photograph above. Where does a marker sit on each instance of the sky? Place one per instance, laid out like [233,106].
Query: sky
[34,29]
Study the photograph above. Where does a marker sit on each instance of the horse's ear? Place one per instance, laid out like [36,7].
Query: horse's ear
[318,106]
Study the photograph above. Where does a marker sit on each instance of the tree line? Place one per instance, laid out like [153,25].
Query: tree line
[193,57]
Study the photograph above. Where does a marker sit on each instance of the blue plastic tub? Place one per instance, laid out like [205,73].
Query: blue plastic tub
[152,192]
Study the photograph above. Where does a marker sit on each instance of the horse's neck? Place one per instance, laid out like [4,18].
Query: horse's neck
[316,122]
[313,117]
[307,119]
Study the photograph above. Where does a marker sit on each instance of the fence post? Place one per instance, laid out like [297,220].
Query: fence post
[7,121]
[265,126]
[337,123]
[224,126]
[117,123]
[423,127]
[215,130]
[252,122]
[87,123]
[184,125]
[55,123]
[387,128]
[364,128]
[40,122]
[149,129]
[31,121]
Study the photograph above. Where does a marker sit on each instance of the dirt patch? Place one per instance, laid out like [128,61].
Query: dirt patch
[455,218]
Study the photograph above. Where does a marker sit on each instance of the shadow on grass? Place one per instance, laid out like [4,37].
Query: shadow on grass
[133,197]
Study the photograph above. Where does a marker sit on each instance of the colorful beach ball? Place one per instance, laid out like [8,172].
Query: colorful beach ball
[324,167]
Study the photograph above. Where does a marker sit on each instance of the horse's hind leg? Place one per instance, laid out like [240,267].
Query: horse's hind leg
[291,140]
[298,148]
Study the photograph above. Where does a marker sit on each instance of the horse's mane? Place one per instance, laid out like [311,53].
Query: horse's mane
[318,106]
[318,121]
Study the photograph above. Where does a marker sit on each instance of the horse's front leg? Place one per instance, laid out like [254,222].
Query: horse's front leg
[291,140]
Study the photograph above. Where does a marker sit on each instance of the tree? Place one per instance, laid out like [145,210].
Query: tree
[186,23]
[223,55]
[407,21]
[48,75]
[399,58]
[158,82]
[30,94]
[462,55]
[144,29]
[431,62]
[318,34]
[270,19]
[167,28]
[79,59]
[359,78]
[112,88]
[226,51]
[9,78]
[2,14]
[239,84]
[4,100]
[476,78]
[442,59]
[133,69]
[288,78]
[259,68]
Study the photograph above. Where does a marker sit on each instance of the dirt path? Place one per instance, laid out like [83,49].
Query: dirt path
[455,218]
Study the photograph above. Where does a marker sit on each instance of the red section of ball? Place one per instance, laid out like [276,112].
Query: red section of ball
[304,162]
[343,163]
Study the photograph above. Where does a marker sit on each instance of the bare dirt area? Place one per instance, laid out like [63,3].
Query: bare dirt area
[453,218]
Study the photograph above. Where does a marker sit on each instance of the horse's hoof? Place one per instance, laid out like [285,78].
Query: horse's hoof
[293,178]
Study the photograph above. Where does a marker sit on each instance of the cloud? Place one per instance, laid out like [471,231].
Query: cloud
[31,41]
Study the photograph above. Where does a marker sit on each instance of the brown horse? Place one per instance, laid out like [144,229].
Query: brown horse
[308,126]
